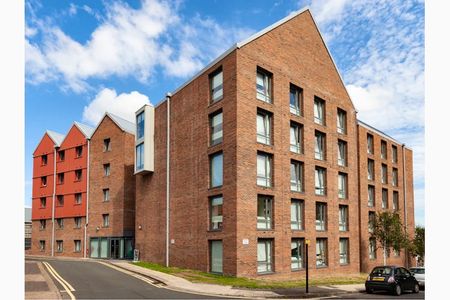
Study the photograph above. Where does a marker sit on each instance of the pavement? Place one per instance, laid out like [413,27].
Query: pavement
[183,285]
[38,284]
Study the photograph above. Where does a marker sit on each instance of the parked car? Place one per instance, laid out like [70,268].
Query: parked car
[393,279]
[419,273]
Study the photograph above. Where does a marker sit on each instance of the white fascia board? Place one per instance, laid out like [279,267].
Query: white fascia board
[379,132]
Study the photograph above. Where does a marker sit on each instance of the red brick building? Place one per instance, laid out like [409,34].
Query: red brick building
[255,155]
[111,189]
[60,192]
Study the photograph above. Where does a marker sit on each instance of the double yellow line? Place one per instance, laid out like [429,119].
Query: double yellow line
[145,279]
[69,289]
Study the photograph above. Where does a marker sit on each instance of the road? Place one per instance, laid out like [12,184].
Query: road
[93,280]
[380,295]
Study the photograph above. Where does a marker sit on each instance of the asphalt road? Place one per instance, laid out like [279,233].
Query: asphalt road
[92,280]
[381,295]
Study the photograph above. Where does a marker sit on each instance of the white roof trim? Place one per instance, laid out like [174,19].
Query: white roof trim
[85,129]
[56,137]
[379,132]
[112,117]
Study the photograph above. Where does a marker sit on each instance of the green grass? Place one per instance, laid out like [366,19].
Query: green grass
[198,276]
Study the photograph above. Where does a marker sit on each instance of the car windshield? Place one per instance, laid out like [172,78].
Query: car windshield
[382,271]
[418,271]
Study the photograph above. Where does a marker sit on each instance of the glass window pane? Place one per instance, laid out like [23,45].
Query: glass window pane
[216,170]
[216,257]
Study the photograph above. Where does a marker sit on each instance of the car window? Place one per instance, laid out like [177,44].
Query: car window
[398,271]
[418,271]
[406,272]
[382,271]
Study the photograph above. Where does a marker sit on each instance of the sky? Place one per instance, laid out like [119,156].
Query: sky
[83,57]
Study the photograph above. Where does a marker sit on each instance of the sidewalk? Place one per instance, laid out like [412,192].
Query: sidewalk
[38,284]
[183,285]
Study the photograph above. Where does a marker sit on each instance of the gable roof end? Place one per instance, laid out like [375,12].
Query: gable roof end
[57,138]
[125,125]
[85,129]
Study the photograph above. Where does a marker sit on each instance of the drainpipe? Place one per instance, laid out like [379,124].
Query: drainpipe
[405,215]
[168,96]
[53,202]
[87,198]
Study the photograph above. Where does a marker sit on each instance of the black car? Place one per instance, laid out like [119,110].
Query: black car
[391,278]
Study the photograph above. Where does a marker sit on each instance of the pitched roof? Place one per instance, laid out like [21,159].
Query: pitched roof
[379,132]
[125,125]
[57,138]
[85,129]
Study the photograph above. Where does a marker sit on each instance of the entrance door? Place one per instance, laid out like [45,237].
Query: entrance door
[115,249]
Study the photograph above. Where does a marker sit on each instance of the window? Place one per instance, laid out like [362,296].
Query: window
[319,111]
[60,178]
[394,154]
[265,260]
[396,252]
[78,151]
[341,121]
[320,181]
[105,220]
[140,121]
[140,156]
[60,223]
[216,256]
[319,145]
[383,150]
[372,248]
[371,221]
[384,174]
[343,218]
[297,252]
[77,221]
[371,196]
[44,160]
[61,155]
[78,198]
[43,202]
[264,169]
[343,251]
[384,198]
[342,153]
[106,145]
[263,85]
[321,252]
[297,214]
[296,137]
[44,181]
[342,185]
[295,100]
[395,200]
[216,169]
[42,224]
[394,177]
[60,200]
[369,143]
[264,218]
[216,85]
[105,195]
[296,176]
[263,130]
[215,213]
[106,169]
[216,128]
[77,245]
[59,246]
[78,174]
[370,169]
[321,216]
[42,245]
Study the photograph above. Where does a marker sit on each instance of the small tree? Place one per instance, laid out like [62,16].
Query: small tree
[418,244]
[389,232]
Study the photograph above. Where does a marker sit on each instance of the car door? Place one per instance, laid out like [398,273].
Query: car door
[400,278]
[409,279]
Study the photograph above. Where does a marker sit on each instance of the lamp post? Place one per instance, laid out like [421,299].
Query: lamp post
[306,262]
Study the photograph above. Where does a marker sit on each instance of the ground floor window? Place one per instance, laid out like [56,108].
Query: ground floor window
[297,250]
[372,249]
[216,256]
[77,245]
[265,259]
[59,246]
[321,252]
[111,247]
[42,245]
[343,251]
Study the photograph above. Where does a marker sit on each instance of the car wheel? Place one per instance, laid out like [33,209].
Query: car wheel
[398,290]
[416,288]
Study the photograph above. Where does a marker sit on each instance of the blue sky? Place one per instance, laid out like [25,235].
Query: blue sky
[83,57]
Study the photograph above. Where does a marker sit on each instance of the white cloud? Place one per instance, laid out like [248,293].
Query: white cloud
[107,100]
[134,43]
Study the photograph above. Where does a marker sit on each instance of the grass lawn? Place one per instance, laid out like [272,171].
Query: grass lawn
[198,276]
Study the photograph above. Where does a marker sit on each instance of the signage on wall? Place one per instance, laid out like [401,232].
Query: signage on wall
[136,255]
[245,242]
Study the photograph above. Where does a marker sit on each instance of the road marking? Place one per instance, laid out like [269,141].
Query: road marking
[60,280]
[143,278]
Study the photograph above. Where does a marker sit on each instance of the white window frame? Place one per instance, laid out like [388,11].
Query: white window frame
[106,145]
[319,111]
[78,198]
[321,216]
[372,248]
[371,196]
[297,214]
[77,221]
[265,257]
[384,198]
[319,145]
[342,153]
[342,185]
[383,149]
[370,169]
[296,176]
[384,175]
[297,261]
[263,86]
[105,222]
[264,221]
[106,169]
[216,85]
[395,201]
[394,177]
[140,156]
[59,246]
[263,127]
[264,169]
[296,137]
[343,251]
[321,252]
[216,221]
[343,217]
[216,177]
[77,245]
[371,223]
[296,94]
[320,181]
[216,128]
[341,121]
